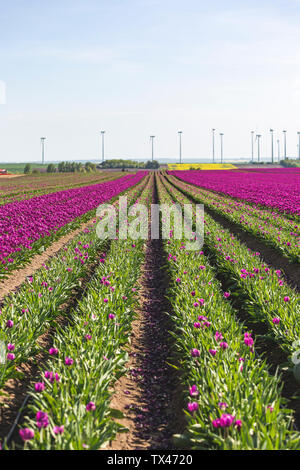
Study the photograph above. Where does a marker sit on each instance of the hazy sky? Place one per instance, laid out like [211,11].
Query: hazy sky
[141,67]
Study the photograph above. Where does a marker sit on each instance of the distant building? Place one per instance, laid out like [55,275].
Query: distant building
[3,172]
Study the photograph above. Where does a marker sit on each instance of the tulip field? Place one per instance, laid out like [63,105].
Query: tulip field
[129,343]
[34,223]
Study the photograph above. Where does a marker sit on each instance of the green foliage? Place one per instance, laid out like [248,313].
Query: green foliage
[289,163]
[120,163]
[152,165]
[17,168]
[90,167]
[27,169]
[73,167]
[263,293]
[51,168]
[235,375]
[98,360]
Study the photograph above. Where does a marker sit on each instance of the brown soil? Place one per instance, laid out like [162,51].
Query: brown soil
[10,176]
[146,394]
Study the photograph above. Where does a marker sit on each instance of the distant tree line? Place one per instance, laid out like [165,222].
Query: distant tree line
[151,165]
[72,167]
[120,163]
[88,167]
[51,168]
[76,167]
[289,163]
[27,170]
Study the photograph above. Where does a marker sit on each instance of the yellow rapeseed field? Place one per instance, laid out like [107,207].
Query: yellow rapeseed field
[201,166]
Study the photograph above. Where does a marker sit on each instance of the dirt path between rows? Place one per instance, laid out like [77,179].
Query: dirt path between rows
[16,278]
[148,395]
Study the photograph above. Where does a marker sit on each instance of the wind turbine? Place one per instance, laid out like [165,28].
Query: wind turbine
[284,135]
[272,144]
[43,149]
[152,138]
[258,136]
[102,134]
[213,144]
[221,136]
[278,147]
[180,134]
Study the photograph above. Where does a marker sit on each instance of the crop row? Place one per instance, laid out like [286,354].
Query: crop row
[28,313]
[277,231]
[278,189]
[28,186]
[27,227]
[232,401]
[260,289]
[70,406]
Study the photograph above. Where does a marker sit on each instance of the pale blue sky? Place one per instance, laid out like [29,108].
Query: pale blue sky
[141,67]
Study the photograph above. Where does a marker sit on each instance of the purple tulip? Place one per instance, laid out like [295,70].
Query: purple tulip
[90,406]
[53,351]
[192,407]
[26,434]
[39,386]
[195,353]
[259,186]
[194,392]
[58,429]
